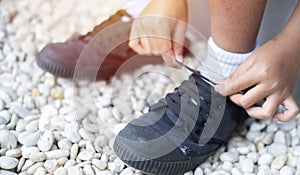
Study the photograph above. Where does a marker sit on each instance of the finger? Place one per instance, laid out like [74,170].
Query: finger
[154,42]
[134,40]
[267,110]
[236,82]
[146,45]
[168,55]
[134,44]
[291,110]
[179,38]
[251,97]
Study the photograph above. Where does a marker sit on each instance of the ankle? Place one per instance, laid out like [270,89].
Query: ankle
[220,63]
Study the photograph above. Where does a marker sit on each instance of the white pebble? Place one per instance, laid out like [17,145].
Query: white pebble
[100,164]
[60,171]
[34,167]
[253,135]
[8,162]
[38,157]
[127,171]
[89,146]
[265,159]
[75,170]
[58,123]
[2,104]
[279,162]
[64,144]
[74,151]
[104,157]
[88,126]
[46,141]
[257,126]
[40,171]
[86,135]
[253,156]
[6,115]
[292,160]
[243,150]
[51,165]
[229,156]
[21,163]
[13,122]
[44,123]
[277,149]
[268,139]
[7,139]
[28,138]
[20,111]
[247,165]
[88,170]
[279,137]
[71,132]
[236,171]
[188,173]
[286,171]
[4,172]
[32,126]
[287,126]
[118,128]
[49,111]
[28,163]
[86,155]
[16,153]
[272,128]
[28,151]
[105,172]
[100,141]
[296,150]
[198,171]
[56,154]
[3,121]
[70,163]
[227,166]
[62,161]
[4,96]
[264,171]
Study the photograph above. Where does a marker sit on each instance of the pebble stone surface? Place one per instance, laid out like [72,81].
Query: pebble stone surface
[43,132]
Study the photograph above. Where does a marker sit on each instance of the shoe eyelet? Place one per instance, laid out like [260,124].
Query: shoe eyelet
[201,98]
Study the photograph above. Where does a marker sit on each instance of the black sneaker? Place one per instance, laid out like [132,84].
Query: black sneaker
[180,131]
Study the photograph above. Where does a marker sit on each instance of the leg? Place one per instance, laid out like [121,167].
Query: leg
[235,24]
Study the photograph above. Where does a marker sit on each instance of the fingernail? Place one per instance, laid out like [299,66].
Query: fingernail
[275,119]
[179,58]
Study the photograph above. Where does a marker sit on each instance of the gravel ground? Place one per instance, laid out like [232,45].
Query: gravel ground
[43,132]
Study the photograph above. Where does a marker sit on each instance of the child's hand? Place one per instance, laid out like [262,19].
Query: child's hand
[272,70]
[160,30]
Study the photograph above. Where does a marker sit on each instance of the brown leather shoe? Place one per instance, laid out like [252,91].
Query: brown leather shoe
[60,59]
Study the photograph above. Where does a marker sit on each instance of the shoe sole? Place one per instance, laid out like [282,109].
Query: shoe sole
[58,71]
[153,166]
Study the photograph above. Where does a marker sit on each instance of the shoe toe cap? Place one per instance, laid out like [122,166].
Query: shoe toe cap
[59,54]
[148,143]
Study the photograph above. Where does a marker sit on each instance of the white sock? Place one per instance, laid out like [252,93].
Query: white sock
[219,63]
[135,7]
